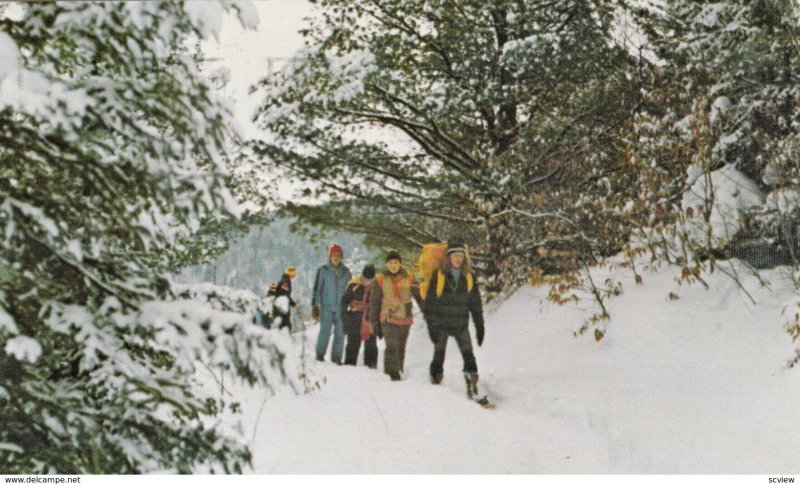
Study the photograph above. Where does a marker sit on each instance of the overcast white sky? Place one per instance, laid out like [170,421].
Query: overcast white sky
[246,52]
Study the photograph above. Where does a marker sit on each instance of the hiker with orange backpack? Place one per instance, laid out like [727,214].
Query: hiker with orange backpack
[451,297]
[390,305]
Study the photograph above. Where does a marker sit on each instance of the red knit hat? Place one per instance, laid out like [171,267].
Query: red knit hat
[335,249]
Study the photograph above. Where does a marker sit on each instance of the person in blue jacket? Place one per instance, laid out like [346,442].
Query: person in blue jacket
[329,286]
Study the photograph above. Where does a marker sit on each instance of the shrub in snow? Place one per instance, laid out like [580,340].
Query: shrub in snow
[718,202]
[113,153]
[727,74]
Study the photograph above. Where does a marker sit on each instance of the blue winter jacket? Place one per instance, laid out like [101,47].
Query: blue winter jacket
[329,285]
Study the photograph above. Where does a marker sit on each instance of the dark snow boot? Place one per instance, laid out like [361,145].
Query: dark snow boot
[395,376]
[472,384]
[436,379]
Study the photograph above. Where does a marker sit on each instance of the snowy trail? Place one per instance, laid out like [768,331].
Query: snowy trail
[363,423]
[695,385]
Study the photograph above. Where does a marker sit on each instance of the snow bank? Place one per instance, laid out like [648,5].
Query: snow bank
[730,193]
[692,383]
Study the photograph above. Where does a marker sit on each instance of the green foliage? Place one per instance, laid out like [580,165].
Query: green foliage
[726,94]
[453,117]
[113,156]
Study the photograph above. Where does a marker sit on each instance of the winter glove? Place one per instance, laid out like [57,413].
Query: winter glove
[315,313]
[356,307]
[479,334]
[376,328]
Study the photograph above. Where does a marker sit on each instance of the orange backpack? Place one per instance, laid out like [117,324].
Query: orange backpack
[431,259]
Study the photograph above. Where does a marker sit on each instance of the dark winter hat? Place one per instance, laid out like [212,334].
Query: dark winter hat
[393,254]
[456,245]
[368,272]
[335,249]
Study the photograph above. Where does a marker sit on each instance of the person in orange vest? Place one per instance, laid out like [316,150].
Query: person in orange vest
[451,298]
[390,305]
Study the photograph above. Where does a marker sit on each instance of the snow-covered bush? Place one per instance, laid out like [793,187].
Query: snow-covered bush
[719,199]
[113,151]
[725,97]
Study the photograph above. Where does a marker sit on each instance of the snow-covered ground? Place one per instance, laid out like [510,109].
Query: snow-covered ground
[694,385]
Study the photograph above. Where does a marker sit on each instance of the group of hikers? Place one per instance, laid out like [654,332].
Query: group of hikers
[378,305]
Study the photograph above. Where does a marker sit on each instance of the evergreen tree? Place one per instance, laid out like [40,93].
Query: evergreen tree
[113,151]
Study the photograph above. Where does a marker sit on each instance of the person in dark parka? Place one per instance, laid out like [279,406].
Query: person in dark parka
[356,326]
[451,298]
[283,288]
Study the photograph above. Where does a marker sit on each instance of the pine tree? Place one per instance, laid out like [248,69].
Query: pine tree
[114,150]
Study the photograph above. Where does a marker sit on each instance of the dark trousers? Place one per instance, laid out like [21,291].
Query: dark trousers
[394,356]
[464,345]
[285,321]
[352,330]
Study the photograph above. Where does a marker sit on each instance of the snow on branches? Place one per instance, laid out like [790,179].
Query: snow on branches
[442,118]
[114,151]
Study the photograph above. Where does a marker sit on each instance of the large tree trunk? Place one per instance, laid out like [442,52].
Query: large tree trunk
[503,130]
[499,245]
